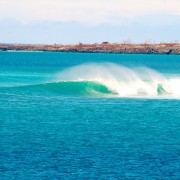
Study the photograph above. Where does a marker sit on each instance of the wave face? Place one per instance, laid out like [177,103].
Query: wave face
[82,88]
[110,80]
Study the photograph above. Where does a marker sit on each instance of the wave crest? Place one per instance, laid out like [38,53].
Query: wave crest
[124,81]
[108,79]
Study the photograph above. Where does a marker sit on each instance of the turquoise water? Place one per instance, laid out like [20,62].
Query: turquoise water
[89,116]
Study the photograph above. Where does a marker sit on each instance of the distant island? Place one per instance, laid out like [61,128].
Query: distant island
[105,47]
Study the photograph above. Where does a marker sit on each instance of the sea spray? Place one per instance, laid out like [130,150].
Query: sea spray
[103,80]
[124,81]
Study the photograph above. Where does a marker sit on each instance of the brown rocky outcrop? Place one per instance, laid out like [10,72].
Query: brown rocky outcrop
[105,47]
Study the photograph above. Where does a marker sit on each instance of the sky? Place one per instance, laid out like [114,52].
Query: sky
[89,21]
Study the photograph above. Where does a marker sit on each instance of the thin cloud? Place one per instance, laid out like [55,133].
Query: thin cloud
[89,11]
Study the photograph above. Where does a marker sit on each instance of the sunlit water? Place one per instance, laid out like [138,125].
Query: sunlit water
[96,116]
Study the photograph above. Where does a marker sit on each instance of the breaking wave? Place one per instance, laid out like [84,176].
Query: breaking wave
[123,81]
[108,79]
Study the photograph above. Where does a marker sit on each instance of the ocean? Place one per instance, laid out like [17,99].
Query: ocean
[89,116]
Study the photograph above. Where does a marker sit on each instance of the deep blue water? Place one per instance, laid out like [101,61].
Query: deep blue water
[58,123]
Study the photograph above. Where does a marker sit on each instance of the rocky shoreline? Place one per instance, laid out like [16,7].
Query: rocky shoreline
[105,47]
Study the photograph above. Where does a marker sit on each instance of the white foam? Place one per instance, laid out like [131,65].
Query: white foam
[124,81]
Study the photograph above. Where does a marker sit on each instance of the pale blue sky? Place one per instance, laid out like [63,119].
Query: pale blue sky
[89,21]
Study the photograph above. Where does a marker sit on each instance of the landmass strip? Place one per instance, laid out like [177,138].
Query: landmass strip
[105,47]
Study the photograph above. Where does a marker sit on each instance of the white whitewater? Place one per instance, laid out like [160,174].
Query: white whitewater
[126,82]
